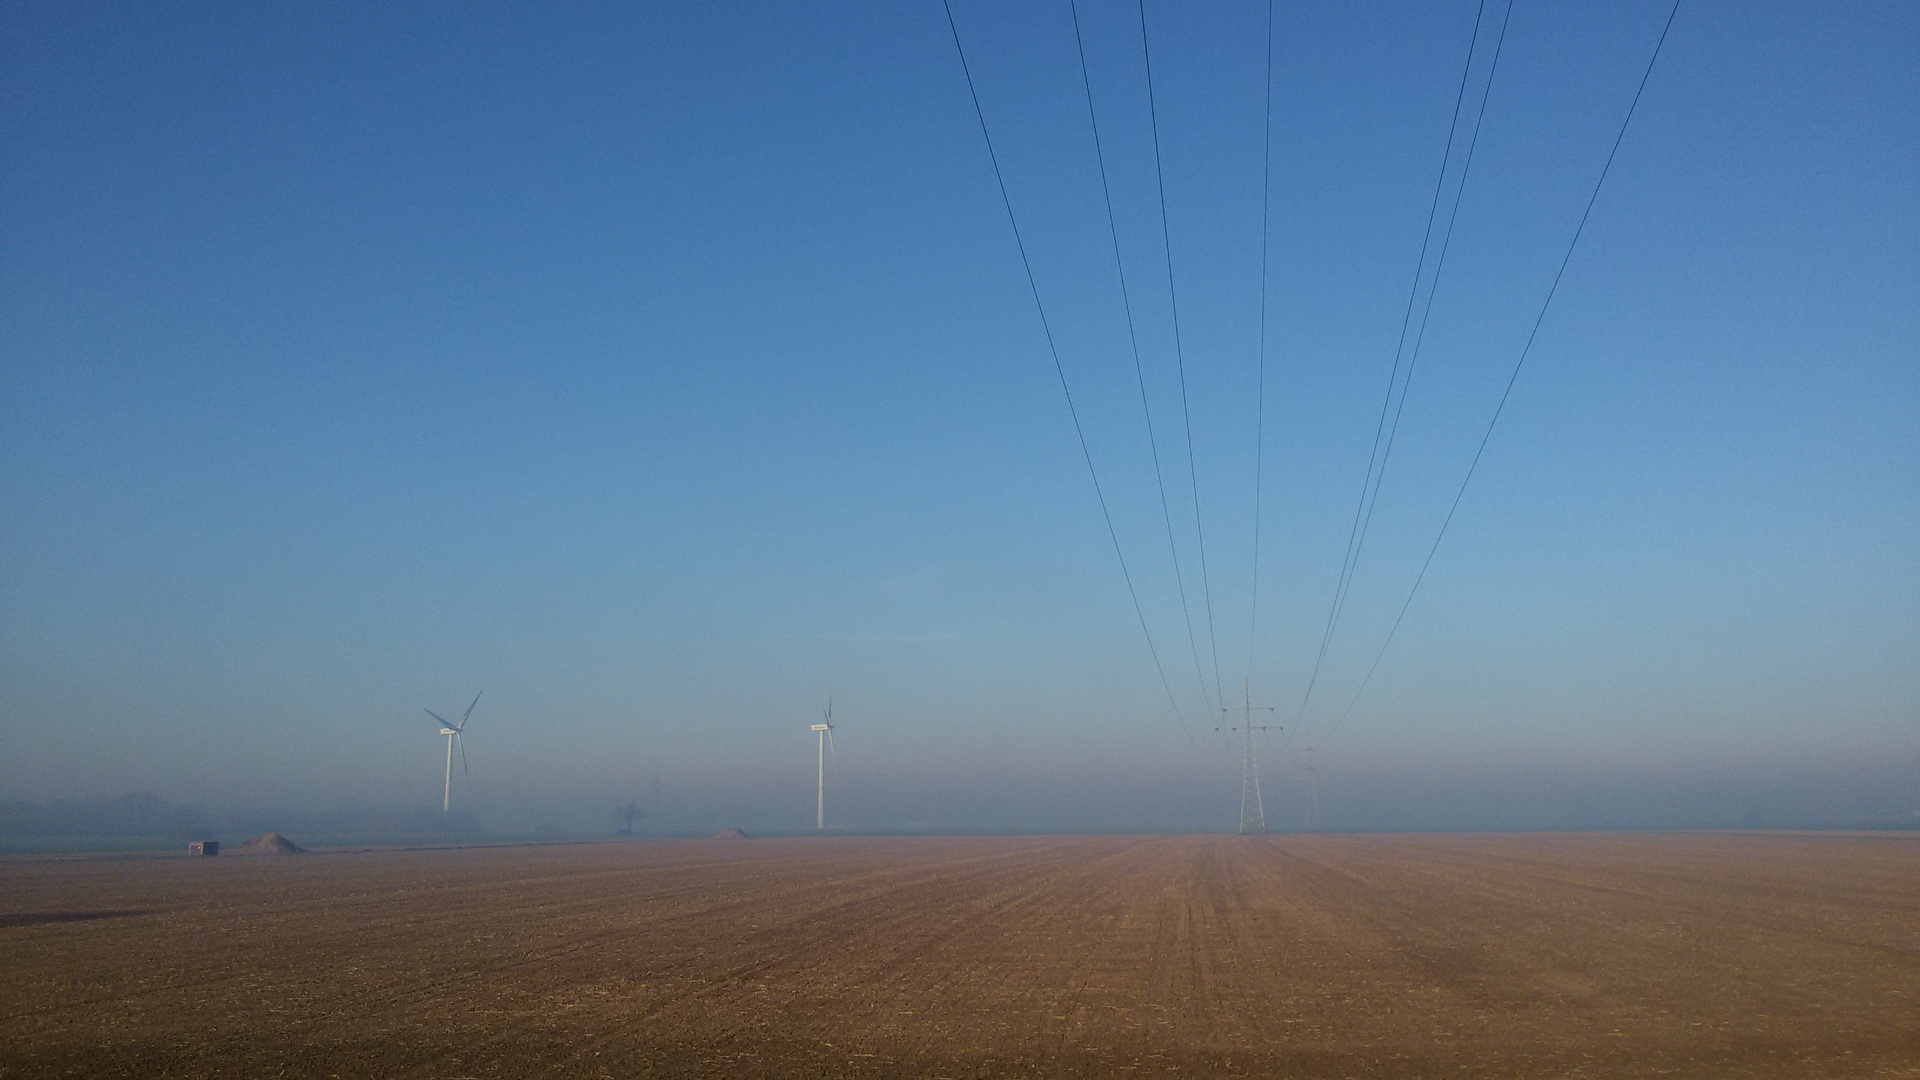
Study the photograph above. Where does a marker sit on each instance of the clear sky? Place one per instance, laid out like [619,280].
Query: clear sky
[662,369]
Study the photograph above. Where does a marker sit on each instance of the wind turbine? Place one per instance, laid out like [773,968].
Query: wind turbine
[455,733]
[825,731]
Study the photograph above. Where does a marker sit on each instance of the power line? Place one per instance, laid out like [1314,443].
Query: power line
[1260,395]
[1433,286]
[1139,374]
[1433,289]
[1173,303]
[1518,364]
[1393,376]
[1061,371]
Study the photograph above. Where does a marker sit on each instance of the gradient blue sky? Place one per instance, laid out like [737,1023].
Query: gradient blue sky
[662,368]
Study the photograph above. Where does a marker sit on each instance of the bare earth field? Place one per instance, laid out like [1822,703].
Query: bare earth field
[1379,956]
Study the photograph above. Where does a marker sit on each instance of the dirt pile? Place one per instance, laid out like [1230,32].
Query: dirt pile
[269,843]
[732,833]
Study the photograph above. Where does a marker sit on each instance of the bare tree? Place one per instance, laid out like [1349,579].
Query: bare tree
[629,814]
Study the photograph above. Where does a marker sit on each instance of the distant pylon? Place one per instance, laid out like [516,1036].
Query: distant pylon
[1253,812]
[1313,792]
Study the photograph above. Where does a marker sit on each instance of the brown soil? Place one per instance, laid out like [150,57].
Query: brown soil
[269,843]
[1508,956]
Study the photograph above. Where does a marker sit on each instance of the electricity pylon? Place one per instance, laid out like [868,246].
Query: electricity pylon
[1313,792]
[1253,813]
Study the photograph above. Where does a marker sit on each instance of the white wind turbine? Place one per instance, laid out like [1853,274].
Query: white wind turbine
[455,733]
[825,731]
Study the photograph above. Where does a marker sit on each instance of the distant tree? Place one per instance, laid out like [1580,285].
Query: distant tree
[629,814]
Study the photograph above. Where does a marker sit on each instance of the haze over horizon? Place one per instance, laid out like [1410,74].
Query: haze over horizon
[662,371]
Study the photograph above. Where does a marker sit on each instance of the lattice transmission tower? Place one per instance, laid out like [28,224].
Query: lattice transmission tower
[1253,813]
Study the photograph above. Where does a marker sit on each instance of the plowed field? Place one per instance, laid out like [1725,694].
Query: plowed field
[1509,956]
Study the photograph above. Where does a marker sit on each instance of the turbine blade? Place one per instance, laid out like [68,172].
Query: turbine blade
[437,716]
[469,712]
[830,750]
[468,773]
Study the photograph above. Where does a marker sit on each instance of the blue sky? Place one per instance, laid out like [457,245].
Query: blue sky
[663,369]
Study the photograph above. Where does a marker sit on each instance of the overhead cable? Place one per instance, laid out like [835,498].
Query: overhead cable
[1179,357]
[1260,395]
[1139,374]
[1515,376]
[1060,370]
[1393,377]
[1420,334]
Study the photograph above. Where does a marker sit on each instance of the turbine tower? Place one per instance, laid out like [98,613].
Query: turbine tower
[825,731]
[455,733]
[1253,813]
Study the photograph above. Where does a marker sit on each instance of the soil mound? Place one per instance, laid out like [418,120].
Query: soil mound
[734,833]
[269,843]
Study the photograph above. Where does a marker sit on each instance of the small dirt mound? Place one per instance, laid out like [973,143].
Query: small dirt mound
[269,843]
[734,833]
